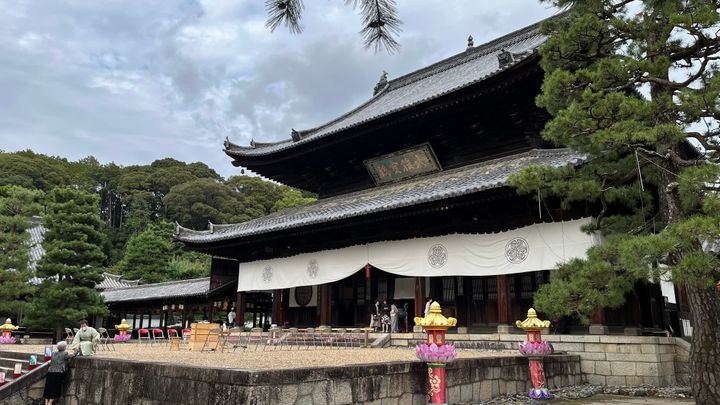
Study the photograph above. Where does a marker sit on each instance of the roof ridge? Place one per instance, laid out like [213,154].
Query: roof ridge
[160,284]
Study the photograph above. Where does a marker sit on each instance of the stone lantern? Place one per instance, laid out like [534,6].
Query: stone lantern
[435,352]
[535,350]
[7,329]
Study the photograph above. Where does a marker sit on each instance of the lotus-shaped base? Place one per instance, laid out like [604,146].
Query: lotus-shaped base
[436,354]
[536,349]
[7,340]
[122,338]
[539,393]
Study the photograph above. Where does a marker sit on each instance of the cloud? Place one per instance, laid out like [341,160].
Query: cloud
[131,82]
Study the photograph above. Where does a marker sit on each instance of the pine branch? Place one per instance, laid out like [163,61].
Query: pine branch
[288,12]
[380,23]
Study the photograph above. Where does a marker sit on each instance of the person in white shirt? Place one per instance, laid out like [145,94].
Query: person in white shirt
[427,306]
[231,317]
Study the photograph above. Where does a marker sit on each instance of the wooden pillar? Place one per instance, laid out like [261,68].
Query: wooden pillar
[210,312]
[325,305]
[277,308]
[597,323]
[419,296]
[503,303]
[240,309]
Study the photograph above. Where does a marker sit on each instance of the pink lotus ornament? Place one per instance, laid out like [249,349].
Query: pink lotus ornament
[435,354]
[7,340]
[122,338]
[536,349]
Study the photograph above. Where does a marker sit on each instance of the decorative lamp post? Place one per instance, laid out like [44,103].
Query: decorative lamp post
[123,328]
[7,329]
[535,350]
[435,352]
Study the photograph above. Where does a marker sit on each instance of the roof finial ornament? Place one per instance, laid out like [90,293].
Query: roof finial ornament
[226,144]
[470,43]
[295,135]
[504,58]
[252,143]
[177,228]
[381,83]
[211,227]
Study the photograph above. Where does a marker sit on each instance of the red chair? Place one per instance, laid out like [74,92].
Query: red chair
[144,334]
[186,334]
[172,333]
[158,335]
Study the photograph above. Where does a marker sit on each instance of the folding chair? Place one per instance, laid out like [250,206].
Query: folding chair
[186,335]
[105,339]
[212,339]
[255,337]
[144,334]
[172,333]
[233,338]
[158,335]
[69,335]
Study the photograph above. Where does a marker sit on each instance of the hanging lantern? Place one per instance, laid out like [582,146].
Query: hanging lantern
[172,307]
[164,307]
[367,270]
[181,307]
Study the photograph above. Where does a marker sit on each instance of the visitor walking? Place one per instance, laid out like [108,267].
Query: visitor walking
[86,340]
[427,306]
[393,318]
[231,317]
[56,373]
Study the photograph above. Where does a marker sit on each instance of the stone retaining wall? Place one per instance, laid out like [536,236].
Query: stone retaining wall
[108,381]
[605,360]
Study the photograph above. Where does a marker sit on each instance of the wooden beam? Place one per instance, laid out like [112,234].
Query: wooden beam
[325,304]
[277,308]
[419,297]
[503,300]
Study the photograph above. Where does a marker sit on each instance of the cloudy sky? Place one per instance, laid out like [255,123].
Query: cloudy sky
[135,81]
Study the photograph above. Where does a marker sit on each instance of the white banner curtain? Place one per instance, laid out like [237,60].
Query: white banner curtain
[531,248]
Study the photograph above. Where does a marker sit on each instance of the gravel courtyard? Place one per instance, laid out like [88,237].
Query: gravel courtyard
[269,359]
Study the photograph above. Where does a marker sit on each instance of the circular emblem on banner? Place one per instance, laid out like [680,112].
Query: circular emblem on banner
[517,250]
[267,274]
[303,295]
[312,268]
[437,256]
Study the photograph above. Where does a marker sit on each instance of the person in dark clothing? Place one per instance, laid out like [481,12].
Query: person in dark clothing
[56,373]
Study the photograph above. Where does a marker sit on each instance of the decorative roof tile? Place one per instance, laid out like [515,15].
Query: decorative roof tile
[157,291]
[472,66]
[438,186]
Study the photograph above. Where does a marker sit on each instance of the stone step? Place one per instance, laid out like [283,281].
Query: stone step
[10,363]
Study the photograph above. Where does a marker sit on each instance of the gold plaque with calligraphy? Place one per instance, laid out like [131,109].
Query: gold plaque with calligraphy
[403,164]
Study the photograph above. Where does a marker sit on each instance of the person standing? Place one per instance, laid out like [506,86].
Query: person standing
[375,316]
[393,318]
[385,317]
[86,340]
[231,317]
[427,306]
[56,373]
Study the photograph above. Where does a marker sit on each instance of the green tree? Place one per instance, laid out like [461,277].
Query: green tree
[147,256]
[71,265]
[17,205]
[197,202]
[630,83]
[257,195]
[291,198]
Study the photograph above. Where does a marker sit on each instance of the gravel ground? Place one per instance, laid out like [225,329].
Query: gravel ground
[591,394]
[270,359]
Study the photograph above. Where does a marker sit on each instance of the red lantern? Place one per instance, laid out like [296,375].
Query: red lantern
[367,270]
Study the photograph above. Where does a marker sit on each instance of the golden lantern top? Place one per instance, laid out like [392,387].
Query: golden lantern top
[8,326]
[532,323]
[435,319]
[123,325]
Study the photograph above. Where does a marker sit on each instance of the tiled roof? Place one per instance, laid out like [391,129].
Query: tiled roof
[172,289]
[438,186]
[464,69]
[114,281]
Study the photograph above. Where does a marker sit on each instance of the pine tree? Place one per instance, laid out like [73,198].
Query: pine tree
[17,205]
[71,265]
[634,84]
[147,256]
